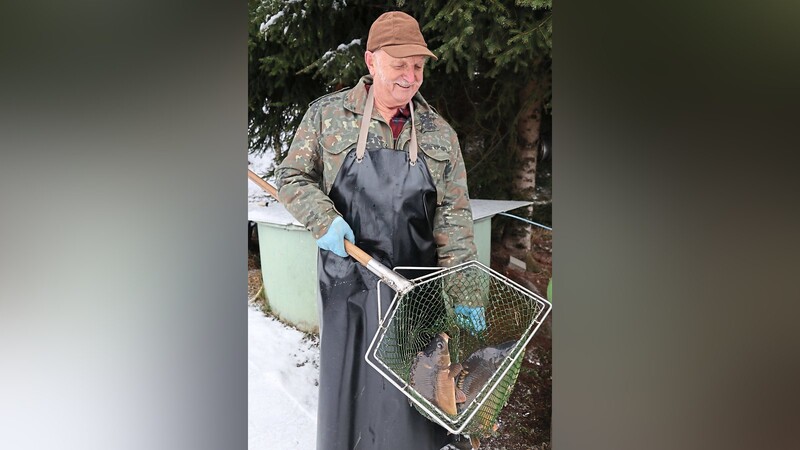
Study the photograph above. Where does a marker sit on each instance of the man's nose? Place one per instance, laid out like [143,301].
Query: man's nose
[408,75]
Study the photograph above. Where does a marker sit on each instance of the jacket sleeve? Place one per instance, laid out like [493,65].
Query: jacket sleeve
[453,226]
[299,177]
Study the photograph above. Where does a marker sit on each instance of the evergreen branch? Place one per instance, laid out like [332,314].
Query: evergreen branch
[525,33]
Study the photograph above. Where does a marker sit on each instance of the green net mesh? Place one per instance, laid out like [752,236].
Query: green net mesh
[511,315]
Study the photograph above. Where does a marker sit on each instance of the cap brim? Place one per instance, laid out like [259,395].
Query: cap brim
[402,51]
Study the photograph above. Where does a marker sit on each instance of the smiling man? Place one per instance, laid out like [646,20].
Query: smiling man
[396,80]
[375,165]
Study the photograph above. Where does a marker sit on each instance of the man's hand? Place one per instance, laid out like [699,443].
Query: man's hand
[333,239]
[466,296]
[471,318]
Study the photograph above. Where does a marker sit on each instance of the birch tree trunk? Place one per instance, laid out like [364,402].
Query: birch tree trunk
[517,235]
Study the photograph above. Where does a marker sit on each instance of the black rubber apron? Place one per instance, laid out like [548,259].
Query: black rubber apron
[389,202]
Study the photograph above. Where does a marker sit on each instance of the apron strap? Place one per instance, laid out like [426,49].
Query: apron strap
[362,133]
[412,147]
[361,145]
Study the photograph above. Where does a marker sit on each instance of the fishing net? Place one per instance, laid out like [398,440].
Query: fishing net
[512,314]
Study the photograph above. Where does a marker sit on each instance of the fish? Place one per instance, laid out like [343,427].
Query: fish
[476,371]
[433,375]
[479,367]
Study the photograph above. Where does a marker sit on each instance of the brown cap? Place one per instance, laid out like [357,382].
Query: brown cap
[397,34]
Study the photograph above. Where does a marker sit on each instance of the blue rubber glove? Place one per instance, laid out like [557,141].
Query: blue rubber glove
[470,317]
[333,240]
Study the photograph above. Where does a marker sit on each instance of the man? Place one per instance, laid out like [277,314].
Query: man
[375,165]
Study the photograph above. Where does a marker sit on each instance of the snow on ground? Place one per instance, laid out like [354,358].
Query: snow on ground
[282,383]
[259,164]
[282,368]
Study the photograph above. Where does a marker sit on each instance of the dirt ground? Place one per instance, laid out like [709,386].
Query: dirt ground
[525,420]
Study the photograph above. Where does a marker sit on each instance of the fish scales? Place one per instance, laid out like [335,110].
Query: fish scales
[433,375]
[479,368]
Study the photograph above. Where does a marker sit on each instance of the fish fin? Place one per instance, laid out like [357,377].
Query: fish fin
[476,443]
[461,397]
[454,370]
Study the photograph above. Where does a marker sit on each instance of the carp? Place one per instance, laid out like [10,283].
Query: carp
[476,371]
[434,377]
[479,367]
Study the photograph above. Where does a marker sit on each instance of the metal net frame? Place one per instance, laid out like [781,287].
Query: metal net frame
[416,315]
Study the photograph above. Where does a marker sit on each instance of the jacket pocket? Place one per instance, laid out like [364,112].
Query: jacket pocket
[336,145]
[438,160]
[334,151]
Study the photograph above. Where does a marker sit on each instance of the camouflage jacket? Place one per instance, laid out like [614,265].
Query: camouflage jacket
[329,131]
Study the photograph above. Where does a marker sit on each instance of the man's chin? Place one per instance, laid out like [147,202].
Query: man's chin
[404,95]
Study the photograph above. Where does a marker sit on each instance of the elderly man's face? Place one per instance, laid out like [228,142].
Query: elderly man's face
[395,80]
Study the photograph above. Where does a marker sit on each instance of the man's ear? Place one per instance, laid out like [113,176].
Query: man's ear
[369,59]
